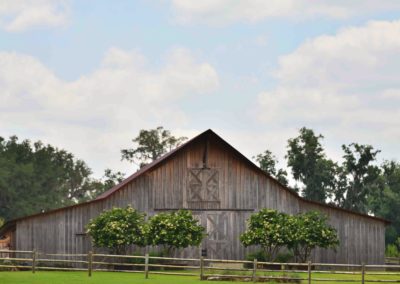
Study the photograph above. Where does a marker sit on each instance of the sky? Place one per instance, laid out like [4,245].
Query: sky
[86,76]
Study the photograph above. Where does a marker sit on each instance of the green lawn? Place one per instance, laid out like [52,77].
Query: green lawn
[42,277]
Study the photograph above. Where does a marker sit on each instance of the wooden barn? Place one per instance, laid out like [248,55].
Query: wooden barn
[221,187]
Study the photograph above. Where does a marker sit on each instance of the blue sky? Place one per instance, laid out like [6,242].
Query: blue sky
[88,75]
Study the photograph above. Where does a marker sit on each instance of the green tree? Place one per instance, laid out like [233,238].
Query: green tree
[268,162]
[118,228]
[150,145]
[174,230]
[268,229]
[310,230]
[357,177]
[310,166]
[385,200]
[35,177]
[107,181]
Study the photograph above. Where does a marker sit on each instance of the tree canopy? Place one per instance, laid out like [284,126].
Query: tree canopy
[311,230]
[36,177]
[385,201]
[268,229]
[273,230]
[308,162]
[175,230]
[268,162]
[117,229]
[150,145]
[357,177]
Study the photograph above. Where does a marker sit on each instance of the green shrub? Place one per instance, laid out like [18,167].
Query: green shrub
[117,229]
[284,257]
[392,251]
[174,230]
[259,255]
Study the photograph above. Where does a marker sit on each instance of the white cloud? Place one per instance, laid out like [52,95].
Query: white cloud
[228,11]
[20,15]
[98,114]
[347,83]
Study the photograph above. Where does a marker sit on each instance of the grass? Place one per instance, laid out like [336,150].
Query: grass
[44,277]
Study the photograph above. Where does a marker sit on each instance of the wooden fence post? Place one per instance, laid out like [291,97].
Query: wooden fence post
[146,265]
[254,270]
[90,263]
[201,268]
[33,261]
[309,272]
[363,273]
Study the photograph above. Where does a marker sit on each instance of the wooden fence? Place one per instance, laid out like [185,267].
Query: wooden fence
[205,269]
[392,260]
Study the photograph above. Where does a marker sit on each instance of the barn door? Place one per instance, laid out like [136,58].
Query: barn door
[218,245]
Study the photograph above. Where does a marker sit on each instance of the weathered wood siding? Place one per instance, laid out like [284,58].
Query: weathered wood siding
[222,190]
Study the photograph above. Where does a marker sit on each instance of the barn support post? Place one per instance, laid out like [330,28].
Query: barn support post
[146,265]
[201,268]
[90,263]
[363,273]
[33,261]
[254,278]
[309,272]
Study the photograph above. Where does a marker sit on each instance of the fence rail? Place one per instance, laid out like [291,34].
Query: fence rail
[206,269]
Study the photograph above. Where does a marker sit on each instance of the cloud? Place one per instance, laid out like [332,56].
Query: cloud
[98,114]
[347,83]
[229,11]
[20,15]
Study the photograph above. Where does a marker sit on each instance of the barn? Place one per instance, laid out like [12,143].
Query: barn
[220,186]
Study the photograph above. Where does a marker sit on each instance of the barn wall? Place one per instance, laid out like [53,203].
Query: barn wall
[361,239]
[222,196]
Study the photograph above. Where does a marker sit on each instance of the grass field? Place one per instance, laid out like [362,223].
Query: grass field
[42,277]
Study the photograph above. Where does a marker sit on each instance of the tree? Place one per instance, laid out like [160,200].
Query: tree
[309,165]
[310,230]
[358,177]
[174,230]
[107,181]
[150,145]
[36,177]
[384,201]
[268,229]
[267,162]
[117,229]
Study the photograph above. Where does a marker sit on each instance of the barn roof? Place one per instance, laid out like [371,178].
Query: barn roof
[172,153]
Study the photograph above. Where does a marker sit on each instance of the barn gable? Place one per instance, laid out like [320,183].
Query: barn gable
[221,187]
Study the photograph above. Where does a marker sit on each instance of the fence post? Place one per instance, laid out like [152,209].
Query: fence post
[33,261]
[201,268]
[255,270]
[309,272]
[363,273]
[146,265]
[90,263]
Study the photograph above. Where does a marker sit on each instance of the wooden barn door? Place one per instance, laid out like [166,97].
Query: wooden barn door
[218,245]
